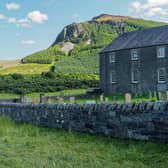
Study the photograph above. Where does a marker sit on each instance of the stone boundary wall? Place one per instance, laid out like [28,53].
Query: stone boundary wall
[143,121]
[10,100]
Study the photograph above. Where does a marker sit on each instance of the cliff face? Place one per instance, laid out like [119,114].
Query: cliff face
[75,30]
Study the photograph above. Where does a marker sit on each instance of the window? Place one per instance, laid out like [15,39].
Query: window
[113,77]
[134,55]
[161,52]
[112,57]
[161,75]
[135,76]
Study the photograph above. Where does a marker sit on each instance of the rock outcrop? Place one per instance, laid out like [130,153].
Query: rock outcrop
[70,32]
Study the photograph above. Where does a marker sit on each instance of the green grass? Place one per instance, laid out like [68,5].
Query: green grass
[64,92]
[27,146]
[26,69]
[36,95]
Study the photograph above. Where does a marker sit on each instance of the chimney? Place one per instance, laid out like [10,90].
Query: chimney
[121,27]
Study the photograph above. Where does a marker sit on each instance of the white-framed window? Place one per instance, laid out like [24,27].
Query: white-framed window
[112,57]
[161,73]
[161,52]
[134,55]
[134,76]
[113,77]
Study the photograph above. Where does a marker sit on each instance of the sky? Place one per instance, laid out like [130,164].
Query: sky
[28,26]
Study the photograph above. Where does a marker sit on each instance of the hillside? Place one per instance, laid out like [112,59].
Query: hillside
[8,63]
[76,48]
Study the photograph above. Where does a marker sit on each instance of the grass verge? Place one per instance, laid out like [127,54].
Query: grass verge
[23,145]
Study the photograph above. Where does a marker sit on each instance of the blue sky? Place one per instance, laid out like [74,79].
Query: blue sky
[27,26]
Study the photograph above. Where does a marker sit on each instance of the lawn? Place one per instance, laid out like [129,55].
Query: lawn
[26,69]
[36,95]
[27,146]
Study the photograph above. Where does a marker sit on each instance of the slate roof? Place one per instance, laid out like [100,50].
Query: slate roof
[140,38]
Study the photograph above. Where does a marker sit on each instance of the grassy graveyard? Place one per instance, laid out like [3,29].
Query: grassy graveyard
[111,99]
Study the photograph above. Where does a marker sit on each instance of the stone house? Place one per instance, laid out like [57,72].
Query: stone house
[136,62]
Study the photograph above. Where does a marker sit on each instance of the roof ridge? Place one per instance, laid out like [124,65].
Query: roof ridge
[145,29]
[139,38]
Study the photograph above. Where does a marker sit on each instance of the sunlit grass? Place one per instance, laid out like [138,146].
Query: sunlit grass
[27,146]
[26,69]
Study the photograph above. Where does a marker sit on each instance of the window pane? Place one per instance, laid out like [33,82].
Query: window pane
[161,75]
[134,55]
[135,75]
[112,57]
[161,52]
[113,77]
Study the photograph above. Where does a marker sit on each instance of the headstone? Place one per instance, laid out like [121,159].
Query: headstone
[22,97]
[60,100]
[49,100]
[150,95]
[127,98]
[106,99]
[72,100]
[35,100]
[101,98]
[114,98]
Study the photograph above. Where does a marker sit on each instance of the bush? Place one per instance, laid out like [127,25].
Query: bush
[49,74]
[17,76]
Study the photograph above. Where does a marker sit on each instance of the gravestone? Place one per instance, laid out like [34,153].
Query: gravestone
[72,100]
[106,99]
[35,100]
[127,98]
[101,98]
[60,100]
[22,98]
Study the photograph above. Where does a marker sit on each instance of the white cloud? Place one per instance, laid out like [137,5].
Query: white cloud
[12,20]
[151,9]
[32,17]
[2,16]
[12,6]
[37,17]
[28,42]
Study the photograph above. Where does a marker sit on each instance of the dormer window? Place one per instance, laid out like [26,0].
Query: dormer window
[134,55]
[112,57]
[161,52]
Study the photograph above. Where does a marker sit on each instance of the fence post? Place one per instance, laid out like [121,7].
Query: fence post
[22,97]
[42,97]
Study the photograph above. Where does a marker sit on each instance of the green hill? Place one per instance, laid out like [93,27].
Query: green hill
[76,48]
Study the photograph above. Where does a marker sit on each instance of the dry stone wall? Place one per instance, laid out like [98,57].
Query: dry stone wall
[143,121]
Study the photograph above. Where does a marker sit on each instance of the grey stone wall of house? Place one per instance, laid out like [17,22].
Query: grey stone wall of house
[143,121]
[147,66]
[103,72]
